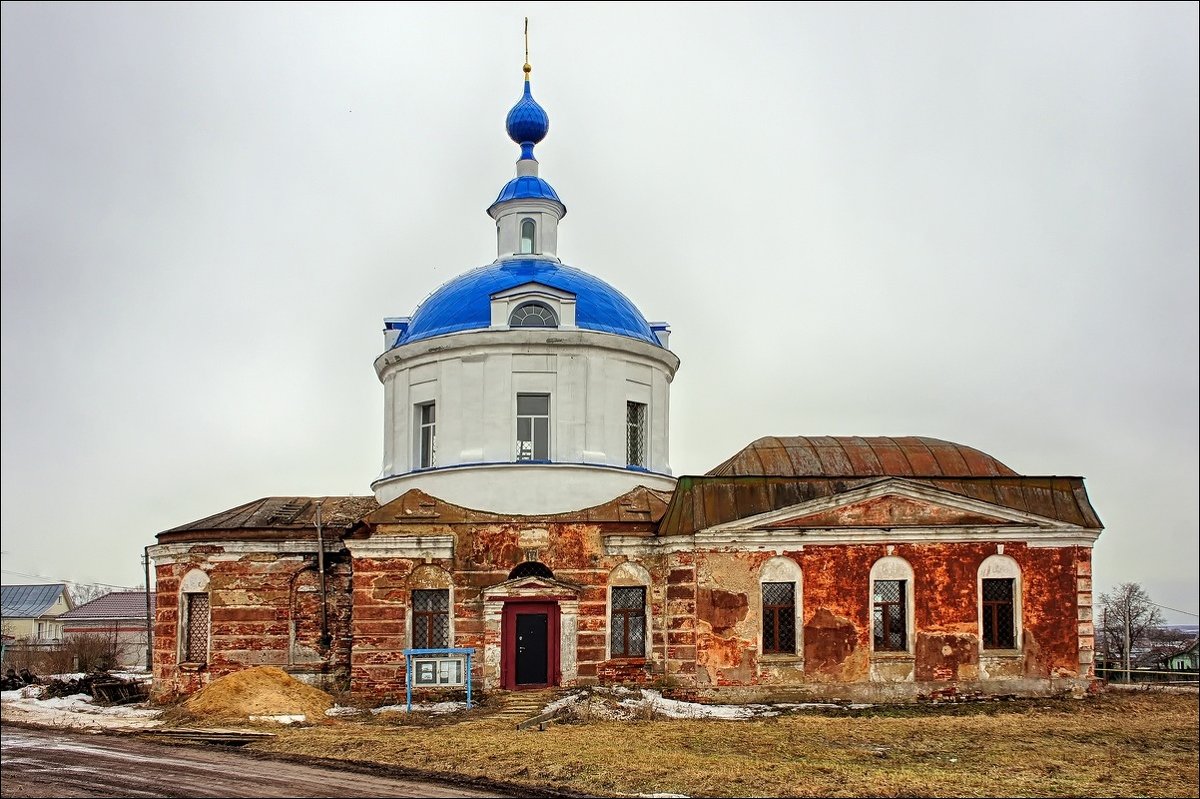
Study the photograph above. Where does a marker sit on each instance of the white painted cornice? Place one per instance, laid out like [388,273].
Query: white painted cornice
[487,340]
[164,554]
[397,546]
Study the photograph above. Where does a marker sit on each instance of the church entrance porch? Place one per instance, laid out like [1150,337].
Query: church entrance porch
[531,650]
[530,631]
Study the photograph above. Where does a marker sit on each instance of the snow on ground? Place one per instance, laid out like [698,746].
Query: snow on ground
[436,708]
[623,703]
[76,711]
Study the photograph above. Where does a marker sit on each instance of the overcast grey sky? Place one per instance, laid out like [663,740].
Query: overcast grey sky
[973,222]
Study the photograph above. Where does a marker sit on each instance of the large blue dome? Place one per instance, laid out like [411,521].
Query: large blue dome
[465,302]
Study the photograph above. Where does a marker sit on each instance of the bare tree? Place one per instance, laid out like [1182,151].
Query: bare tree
[86,592]
[1128,617]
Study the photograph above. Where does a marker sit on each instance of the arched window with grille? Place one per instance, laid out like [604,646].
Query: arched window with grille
[629,634]
[891,605]
[999,591]
[431,624]
[195,617]
[781,583]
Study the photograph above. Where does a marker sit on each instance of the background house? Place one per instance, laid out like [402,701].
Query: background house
[30,612]
[117,622]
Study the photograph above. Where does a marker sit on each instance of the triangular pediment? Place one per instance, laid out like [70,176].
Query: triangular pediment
[888,511]
[533,288]
[530,588]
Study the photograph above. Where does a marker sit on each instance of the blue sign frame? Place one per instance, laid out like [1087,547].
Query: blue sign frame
[408,669]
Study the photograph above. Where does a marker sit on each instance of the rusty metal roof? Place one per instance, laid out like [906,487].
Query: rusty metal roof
[855,456]
[701,502]
[283,513]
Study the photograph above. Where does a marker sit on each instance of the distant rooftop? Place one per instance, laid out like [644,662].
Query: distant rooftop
[29,601]
[116,605]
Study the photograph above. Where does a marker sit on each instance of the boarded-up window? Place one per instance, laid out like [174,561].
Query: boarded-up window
[779,618]
[431,619]
[195,645]
[628,622]
[999,627]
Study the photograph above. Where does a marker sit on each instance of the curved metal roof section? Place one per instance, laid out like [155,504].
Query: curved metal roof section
[855,456]
[465,303]
[527,187]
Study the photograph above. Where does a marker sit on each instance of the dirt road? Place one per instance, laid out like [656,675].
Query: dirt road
[44,763]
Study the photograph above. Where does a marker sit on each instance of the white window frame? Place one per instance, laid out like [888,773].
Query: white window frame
[549,417]
[419,426]
[1000,567]
[893,567]
[532,239]
[780,569]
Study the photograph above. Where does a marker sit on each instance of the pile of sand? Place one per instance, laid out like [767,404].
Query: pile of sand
[260,691]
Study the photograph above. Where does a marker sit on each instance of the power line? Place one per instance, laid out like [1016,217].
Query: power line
[1176,610]
[61,580]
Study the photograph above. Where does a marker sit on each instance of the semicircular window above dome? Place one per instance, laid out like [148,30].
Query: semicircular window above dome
[533,314]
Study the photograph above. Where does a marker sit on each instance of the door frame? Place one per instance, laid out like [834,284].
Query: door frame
[508,641]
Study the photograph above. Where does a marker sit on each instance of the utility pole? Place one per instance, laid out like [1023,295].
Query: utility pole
[1107,657]
[149,612]
[1127,611]
[325,640]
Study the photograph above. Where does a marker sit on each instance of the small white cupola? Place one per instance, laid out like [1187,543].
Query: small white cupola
[527,210]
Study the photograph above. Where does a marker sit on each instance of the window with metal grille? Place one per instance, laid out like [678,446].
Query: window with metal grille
[999,623]
[427,440]
[528,234]
[431,619]
[890,617]
[635,433]
[195,646]
[533,314]
[628,622]
[779,618]
[533,427]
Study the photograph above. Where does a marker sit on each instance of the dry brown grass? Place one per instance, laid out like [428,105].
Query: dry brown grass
[1113,745]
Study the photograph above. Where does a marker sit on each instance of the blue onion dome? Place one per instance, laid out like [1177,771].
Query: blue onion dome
[465,303]
[527,123]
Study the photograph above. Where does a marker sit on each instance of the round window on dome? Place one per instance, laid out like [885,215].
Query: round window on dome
[533,314]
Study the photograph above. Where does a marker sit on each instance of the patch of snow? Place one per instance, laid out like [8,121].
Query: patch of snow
[76,710]
[286,718]
[676,709]
[28,692]
[436,708]
[569,699]
[338,710]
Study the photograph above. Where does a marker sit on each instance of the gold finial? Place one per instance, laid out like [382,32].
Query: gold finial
[528,68]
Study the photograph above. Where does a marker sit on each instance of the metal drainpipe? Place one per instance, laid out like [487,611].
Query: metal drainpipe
[149,612]
[321,580]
